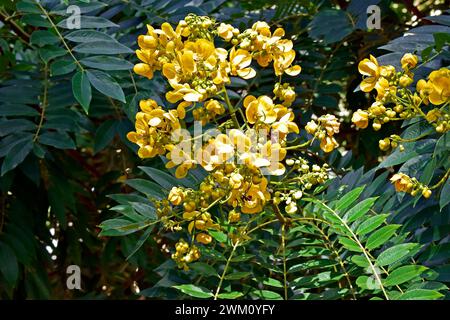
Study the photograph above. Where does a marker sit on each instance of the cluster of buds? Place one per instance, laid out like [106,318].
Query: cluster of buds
[211,109]
[324,129]
[285,93]
[404,183]
[185,254]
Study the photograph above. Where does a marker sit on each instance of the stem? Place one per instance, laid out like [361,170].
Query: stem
[222,277]
[44,103]
[231,109]
[59,34]
[307,143]
[442,180]
[283,249]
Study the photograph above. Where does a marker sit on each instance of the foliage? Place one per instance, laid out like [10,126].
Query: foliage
[68,98]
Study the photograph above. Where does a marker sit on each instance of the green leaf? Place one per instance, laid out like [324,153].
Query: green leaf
[230,295]
[421,294]
[16,155]
[107,63]
[149,188]
[218,235]
[87,22]
[60,67]
[194,291]
[350,244]
[17,110]
[359,209]
[203,269]
[8,266]
[140,242]
[331,25]
[163,179]
[104,135]
[105,84]
[441,39]
[273,283]
[88,36]
[238,275]
[381,236]
[371,224]
[445,194]
[266,294]
[82,89]
[60,140]
[348,198]
[403,274]
[121,227]
[102,47]
[48,53]
[43,37]
[395,253]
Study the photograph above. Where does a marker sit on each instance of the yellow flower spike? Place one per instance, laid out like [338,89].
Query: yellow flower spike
[187,62]
[409,61]
[203,238]
[143,69]
[361,119]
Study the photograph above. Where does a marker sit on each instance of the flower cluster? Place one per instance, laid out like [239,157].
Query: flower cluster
[396,101]
[404,183]
[324,129]
[238,158]
[185,254]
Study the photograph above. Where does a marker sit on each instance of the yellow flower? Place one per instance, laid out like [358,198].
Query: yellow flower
[214,107]
[285,125]
[285,93]
[176,196]
[282,64]
[311,127]
[226,31]
[177,155]
[240,61]
[259,109]
[328,144]
[236,180]
[409,61]
[360,119]
[203,238]
[370,69]
[440,82]
[402,182]
[330,123]
[433,115]
[424,88]
[255,197]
